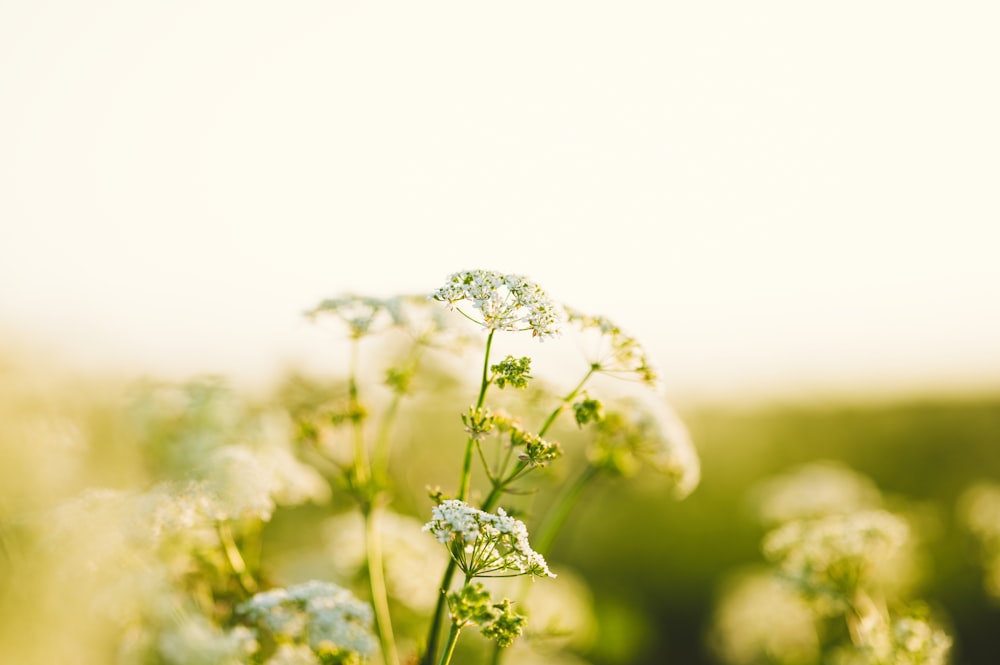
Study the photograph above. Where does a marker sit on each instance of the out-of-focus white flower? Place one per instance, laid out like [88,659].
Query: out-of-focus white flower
[761,620]
[484,544]
[363,315]
[197,641]
[250,482]
[243,485]
[815,490]
[293,654]
[324,616]
[916,641]
[979,510]
[635,433]
[830,558]
[504,302]
[617,353]
[412,562]
[909,638]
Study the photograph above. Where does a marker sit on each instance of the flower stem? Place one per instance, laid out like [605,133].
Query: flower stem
[463,487]
[449,572]
[362,472]
[235,559]
[367,493]
[380,451]
[376,583]
[449,646]
[435,629]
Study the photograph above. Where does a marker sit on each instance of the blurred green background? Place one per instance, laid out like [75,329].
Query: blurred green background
[655,566]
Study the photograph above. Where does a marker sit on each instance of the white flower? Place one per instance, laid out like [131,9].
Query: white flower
[759,619]
[484,544]
[198,641]
[324,616]
[505,302]
[637,433]
[617,352]
[831,557]
[361,314]
[979,510]
[251,480]
[293,654]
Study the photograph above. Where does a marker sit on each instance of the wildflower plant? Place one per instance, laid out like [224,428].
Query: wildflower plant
[190,544]
[979,512]
[835,556]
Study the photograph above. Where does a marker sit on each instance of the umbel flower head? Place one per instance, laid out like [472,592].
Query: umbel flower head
[484,544]
[829,558]
[504,302]
[617,352]
[323,616]
[633,434]
[361,313]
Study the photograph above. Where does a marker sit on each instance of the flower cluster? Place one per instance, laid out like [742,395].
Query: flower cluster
[484,544]
[323,616]
[619,353]
[762,620]
[979,510]
[360,313]
[504,302]
[473,605]
[908,638]
[636,435]
[198,641]
[830,558]
[512,371]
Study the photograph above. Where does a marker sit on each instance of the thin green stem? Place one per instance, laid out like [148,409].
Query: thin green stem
[364,472]
[463,487]
[362,468]
[435,630]
[380,452]
[376,583]
[449,646]
[449,572]
[565,401]
[486,368]
[235,559]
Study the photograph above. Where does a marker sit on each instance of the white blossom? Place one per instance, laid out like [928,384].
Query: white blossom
[485,544]
[761,620]
[831,557]
[197,641]
[616,352]
[504,302]
[324,616]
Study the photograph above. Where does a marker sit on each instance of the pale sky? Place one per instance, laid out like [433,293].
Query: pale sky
[774,196]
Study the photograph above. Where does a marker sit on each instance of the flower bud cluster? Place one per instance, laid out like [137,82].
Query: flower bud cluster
[473,605]
[512,372]
[632,436]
